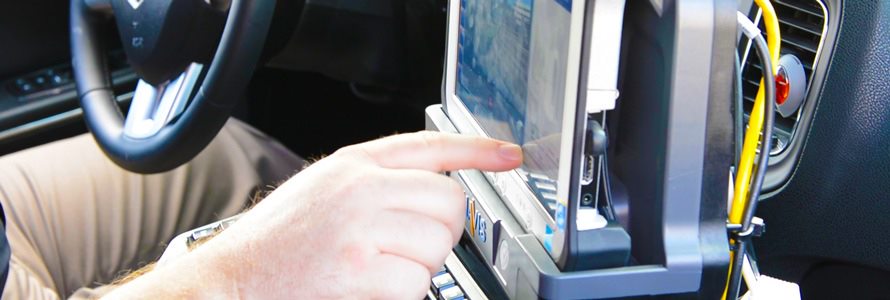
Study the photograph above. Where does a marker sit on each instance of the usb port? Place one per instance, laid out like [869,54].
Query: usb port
[588,172]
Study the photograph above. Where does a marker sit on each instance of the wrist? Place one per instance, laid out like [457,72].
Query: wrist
[218,270]
[195,275]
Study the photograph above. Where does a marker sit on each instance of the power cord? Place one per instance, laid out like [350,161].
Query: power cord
[609,208]
[739,112]
[755,122]
[769,85]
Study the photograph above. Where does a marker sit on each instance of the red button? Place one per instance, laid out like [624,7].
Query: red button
[783,87]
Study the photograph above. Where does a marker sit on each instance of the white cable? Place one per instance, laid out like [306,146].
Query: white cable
[748,273]
[747,27]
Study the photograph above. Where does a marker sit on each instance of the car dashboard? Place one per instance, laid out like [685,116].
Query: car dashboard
[335,74]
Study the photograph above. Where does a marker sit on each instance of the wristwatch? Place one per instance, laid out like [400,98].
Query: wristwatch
[185,242]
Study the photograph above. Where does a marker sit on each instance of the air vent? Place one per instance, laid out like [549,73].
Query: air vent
[802,23]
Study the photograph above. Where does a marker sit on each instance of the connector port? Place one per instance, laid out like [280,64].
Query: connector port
[588,172]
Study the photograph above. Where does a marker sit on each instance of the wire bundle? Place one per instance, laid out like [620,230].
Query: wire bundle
[760,125]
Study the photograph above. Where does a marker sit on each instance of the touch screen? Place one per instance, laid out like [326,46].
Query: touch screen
[511,76]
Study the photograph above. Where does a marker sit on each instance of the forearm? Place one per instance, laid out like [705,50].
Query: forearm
[204,273]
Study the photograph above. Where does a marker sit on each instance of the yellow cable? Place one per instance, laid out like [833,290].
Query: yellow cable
[755,125]
[755,122]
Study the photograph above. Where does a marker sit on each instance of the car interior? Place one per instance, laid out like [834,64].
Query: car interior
[318,75]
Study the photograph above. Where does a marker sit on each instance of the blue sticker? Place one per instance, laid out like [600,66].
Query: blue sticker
[560,216]
[567,4]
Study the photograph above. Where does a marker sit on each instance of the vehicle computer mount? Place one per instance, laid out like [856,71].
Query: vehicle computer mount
[670,149]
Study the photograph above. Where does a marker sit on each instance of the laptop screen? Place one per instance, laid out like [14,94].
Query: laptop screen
[511,75]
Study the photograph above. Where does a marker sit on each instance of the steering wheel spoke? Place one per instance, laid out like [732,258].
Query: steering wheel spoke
[153,107]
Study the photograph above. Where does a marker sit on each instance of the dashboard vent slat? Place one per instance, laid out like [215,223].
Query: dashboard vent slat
[800,43]
[810,8]
[802,25]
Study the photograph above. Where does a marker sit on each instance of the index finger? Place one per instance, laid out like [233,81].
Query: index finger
[439,152]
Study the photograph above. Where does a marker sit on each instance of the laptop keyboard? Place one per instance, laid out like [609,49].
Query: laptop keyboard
[453,282]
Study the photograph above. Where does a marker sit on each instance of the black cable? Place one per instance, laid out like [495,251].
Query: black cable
[739,112]
[607,183]
[762,164]
[609,208]
[767,137]
[735,278]
[751,254]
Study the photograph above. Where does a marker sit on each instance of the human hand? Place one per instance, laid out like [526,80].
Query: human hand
[372,220]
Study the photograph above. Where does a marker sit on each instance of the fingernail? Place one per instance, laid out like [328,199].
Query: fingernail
[510,151]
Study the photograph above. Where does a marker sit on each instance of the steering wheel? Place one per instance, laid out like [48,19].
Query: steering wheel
[194,59]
